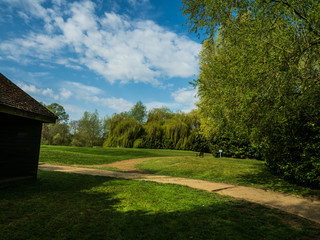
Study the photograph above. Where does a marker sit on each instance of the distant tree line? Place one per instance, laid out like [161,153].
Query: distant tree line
[160,128]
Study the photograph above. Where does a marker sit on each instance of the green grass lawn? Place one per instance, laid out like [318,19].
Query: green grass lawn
[90,156]
[246,172]
[71,206]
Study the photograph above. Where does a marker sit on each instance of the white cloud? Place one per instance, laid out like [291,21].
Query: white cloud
[65,94]
[157,104]
[183,99]
[33,8]
[38,46]
[49,93]
[24,16]
[93,95]
[118,104]
[82,90]
[135,3]
[33,90]
[185,96]
[69,63]
[74,110]
[114,46]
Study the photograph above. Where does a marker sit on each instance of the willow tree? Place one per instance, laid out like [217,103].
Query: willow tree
[259,78]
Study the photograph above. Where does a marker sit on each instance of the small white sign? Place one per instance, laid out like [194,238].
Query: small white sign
[220,151]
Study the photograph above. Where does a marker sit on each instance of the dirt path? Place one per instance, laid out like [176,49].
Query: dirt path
[126,165]
[309,209]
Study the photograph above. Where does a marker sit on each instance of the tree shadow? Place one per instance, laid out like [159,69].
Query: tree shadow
[267,180]
[71,206]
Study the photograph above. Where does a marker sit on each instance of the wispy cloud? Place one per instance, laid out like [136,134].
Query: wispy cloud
[117,104]
[113,46]
[157,104]
[65,94]
[185,95]
[183,99]
[82,90]
[186,98]
[35,91]
[94,95]
[135,3]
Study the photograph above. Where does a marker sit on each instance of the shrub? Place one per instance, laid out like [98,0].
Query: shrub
[139,143]
[294,153]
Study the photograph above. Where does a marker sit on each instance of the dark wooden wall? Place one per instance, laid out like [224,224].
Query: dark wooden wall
[19,148]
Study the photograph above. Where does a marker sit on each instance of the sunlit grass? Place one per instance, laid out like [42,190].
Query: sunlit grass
[90,156]
[71,206]
[246,172]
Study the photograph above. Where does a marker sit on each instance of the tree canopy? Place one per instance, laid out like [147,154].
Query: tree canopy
[59,111]
[259,78]
[138,112]
[88,130]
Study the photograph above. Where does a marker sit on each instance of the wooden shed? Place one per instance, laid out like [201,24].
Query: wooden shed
[21,119]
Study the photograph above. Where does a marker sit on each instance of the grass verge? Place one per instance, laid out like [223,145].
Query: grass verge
[245,172]
[91,156]
[70,206]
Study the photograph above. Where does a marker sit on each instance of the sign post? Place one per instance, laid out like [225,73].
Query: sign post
[220,151]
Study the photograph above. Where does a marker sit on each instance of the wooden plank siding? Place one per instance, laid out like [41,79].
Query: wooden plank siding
[19,148]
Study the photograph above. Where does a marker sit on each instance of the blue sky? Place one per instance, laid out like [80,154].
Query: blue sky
[99,54]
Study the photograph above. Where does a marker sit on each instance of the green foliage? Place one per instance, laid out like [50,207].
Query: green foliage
[196,141]
[139,143]
[55,134]
[163,129]
[235,147]
[88,131]
[296,153]
[59,111]
[259,79]
[125,133]
[159,115]
[138,112]
[154,135]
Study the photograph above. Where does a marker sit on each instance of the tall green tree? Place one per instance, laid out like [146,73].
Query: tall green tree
[89,130]
[259,78]
[59,111]
[58,133]
[138,112]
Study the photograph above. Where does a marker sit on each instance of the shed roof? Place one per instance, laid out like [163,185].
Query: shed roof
[14,101]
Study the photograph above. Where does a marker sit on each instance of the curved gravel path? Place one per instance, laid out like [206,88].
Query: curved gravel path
[307,208]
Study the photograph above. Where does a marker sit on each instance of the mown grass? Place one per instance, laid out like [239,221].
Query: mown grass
[91,156]
[70,206]
[246,172]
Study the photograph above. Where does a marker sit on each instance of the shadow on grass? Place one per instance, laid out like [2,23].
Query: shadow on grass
[267,180]
[71,206]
